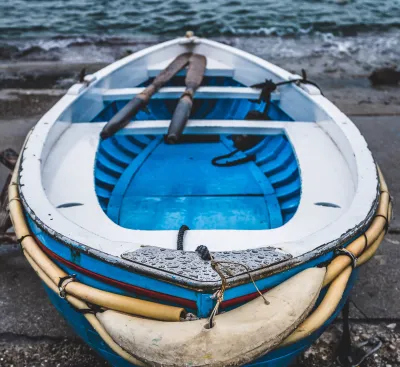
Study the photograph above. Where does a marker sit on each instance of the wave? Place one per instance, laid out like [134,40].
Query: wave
[333,53]
[208,18]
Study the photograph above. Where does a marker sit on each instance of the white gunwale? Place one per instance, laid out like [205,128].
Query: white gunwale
[176,92]
[214,68]
[339,130]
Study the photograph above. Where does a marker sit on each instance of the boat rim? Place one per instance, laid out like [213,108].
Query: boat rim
[236,280]
[351,233]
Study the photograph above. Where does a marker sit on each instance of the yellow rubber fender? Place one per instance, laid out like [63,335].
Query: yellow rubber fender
[359,245]
[89,294]
[325,309]
[238,336]
[331,300]
[339,270]
[89,317]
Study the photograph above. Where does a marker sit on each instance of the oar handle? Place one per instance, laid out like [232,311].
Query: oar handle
[179,118]
[122,118]
[194,77]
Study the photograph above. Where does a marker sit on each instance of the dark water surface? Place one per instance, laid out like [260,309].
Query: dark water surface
[211,18]
[364,32]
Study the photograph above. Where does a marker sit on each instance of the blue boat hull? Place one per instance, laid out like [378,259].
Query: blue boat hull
[282,357]
[103,275]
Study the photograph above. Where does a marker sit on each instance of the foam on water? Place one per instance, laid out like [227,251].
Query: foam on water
[329,32]
[356,54]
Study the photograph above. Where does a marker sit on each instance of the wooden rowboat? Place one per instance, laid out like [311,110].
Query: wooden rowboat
[258,177]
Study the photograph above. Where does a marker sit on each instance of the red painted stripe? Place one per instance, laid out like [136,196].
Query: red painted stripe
[125,286]
[143,291]
[241,299]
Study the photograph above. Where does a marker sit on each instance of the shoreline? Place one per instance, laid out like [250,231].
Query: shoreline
[48,81]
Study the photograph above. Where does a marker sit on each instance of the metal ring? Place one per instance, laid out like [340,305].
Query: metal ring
[187,93]
[344,251]
[64,281]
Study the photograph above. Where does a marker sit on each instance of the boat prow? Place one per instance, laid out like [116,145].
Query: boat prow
[238,336]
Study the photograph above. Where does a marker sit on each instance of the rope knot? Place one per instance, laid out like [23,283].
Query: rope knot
[203,252]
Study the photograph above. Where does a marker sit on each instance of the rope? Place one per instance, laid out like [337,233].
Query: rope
[242,143]
[248,273]
[92,309]
[18,199]
[386,221]
[19,240]
[347,353]
[368,353]
[248,158]
[219,295]
[351,255]
[181,235]
[266,90]
[360,310]
[269,86]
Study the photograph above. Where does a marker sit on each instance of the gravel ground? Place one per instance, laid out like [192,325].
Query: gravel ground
[35,352]
[50,352]
[323,352]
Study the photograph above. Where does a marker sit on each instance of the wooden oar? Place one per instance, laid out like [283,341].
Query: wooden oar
[122,118]
[194,77]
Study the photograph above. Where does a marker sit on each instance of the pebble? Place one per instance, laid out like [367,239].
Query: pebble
[385,76]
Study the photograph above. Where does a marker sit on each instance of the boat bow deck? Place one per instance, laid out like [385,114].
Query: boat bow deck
[319,185]
[338,176]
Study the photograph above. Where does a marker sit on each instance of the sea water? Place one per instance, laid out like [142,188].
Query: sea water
[364,33]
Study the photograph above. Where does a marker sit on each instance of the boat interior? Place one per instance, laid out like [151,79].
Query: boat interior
[136,188]
[142,182]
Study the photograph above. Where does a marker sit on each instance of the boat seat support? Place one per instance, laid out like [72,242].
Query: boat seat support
[110,95]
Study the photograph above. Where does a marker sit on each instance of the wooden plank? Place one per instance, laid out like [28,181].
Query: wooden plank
[7,238]
[214,68]
[9,158]
[211,126]
[201,93]
[5,221]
